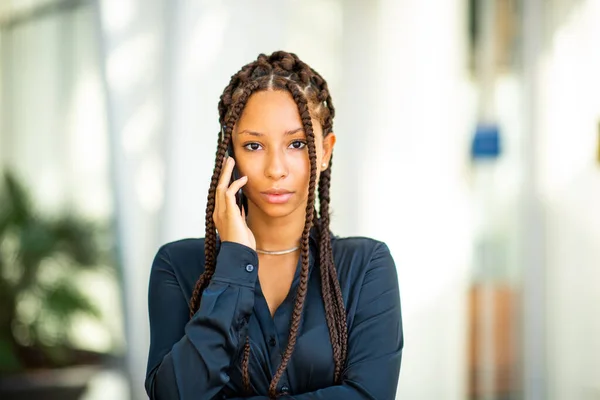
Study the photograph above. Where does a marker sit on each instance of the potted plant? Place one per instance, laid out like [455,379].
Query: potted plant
[40,259]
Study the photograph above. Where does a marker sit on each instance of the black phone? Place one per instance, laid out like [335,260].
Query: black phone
[240,198]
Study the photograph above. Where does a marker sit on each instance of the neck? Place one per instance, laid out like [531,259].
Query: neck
[276,234]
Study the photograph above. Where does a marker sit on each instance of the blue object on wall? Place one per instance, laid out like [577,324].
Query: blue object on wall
[486,142]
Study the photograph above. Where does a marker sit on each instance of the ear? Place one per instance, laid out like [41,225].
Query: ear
[328,144]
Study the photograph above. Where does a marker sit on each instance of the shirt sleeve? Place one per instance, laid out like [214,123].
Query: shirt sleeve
[190,358]
[375,339]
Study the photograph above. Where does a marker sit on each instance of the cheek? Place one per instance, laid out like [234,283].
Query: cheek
[301,166]
[250,168]
[303,175]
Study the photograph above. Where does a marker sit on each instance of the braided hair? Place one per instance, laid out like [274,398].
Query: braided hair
[286,72]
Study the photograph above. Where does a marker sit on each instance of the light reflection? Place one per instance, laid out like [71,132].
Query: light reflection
[117,14]
[86,125]
[573,106]
[206,40]
[149,183]
[133,62]
[142,126]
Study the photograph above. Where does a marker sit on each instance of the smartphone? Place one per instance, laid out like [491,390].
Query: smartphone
[240,198]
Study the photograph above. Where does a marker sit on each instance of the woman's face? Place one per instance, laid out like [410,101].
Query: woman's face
[271,149]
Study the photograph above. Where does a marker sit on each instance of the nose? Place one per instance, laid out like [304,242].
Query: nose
[276,167]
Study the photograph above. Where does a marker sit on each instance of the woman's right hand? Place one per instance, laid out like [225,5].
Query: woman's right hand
[229,220]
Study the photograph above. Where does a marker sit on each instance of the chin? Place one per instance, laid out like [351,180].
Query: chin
[278,210]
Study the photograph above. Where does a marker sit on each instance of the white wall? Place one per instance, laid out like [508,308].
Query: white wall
[134,44]
[570,177]
[414,193]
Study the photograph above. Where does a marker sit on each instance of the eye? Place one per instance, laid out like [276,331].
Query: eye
[252,146]
[297,144]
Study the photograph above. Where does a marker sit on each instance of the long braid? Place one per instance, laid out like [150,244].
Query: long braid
[210,241]
[245,369]
[329,279]
[284,71]
[325,259]
[326,252]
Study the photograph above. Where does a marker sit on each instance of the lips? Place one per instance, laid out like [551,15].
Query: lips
[277,196]
[276,191]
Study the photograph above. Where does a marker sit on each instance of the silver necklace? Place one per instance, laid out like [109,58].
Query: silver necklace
[277,253]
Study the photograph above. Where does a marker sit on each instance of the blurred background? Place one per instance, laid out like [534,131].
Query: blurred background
[468,140]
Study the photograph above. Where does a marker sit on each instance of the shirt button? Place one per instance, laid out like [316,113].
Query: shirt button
[272,342]
[249,268]
[285,389]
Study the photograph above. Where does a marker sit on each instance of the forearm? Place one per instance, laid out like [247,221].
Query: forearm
[196,365]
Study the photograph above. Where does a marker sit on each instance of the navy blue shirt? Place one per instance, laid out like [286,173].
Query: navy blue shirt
[200,358]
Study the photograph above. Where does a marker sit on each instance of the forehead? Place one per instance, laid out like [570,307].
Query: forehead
[270,110]
[273,112]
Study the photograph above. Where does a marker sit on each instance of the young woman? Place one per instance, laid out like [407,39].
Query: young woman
[274,305]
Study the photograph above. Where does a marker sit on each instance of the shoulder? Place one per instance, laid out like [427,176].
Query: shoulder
[182,260]
[184,250]
[366,270]
[361,247]
[355,256]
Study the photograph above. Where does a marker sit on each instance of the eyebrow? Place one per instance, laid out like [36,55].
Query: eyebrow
[286,133]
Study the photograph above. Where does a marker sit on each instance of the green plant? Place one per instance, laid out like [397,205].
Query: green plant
[40,258]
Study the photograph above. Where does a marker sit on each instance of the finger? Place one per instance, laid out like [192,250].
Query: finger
[236,185]
[233,189]
[226,171]
[223,184]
